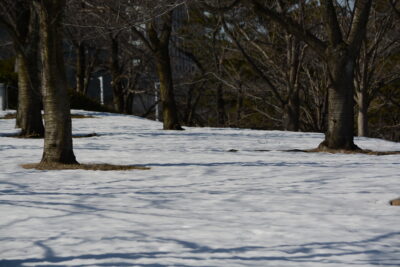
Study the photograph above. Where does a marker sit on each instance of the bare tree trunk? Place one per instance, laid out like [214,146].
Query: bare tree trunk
[340,133]
[291,113]
[118,93]
[170,113]
[29,115]
[188,108]
[239,106]
[221,116]
[291,107]
[58,130]
[362,118]
[128,103]
[80,68]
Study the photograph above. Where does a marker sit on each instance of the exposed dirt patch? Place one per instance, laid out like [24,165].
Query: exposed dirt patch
[9,116]
[395,202]
[356,151]
[77,116]
[17,135]
[332,151]
[85,135]
[89,167]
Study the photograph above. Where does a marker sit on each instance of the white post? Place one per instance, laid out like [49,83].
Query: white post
[101,90]
[156,89]
[3,97]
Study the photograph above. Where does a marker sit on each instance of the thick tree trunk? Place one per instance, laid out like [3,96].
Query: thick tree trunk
[29,115]
[170,113]
[80,68]
[58,130]
[291,113]
[362,118]
[340,134]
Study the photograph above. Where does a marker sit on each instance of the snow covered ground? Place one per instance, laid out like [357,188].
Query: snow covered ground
[199,205]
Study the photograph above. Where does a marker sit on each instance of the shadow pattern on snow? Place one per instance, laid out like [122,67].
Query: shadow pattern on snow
[302,253]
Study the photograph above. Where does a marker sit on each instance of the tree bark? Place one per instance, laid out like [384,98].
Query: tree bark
[58,129]
[170,113]
[80,68]
[221,116]
[291,107]
[362,118]
[29,116]
[158,43]
[29,113]
[239,106]
[291,113]
[118,92]
[340,133]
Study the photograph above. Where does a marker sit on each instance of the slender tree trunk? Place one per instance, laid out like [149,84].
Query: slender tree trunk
[291,113]
[221,116]
[239,107]
[58,129]
[188,108]
[170,113]
[118,93]
[340,133]
[80,68]
[128,105]
[291,108]
[362,118]
[29,114]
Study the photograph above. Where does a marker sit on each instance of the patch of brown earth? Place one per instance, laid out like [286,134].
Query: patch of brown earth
[89,167]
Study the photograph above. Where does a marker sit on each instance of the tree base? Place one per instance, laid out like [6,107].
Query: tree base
[66,158]
[325,147]
[176,127]
[32,135]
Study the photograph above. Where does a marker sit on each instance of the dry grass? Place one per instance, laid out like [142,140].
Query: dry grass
[332,151]
[78,116]
[85,135]
[357,151]
[9,116]
[89,167]
[18,135]
[395,202]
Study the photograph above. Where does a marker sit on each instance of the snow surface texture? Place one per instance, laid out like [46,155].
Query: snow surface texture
[199,205]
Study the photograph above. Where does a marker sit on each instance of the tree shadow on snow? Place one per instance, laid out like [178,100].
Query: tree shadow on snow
[307,253]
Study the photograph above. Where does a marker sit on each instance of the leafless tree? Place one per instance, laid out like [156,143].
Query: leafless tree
[58,130]
[20,20]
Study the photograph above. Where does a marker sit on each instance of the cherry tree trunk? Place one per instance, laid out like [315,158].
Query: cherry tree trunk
[58,130]
[340,133]
[29,115]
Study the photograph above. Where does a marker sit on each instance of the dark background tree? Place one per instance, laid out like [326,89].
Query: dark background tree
[21,21]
